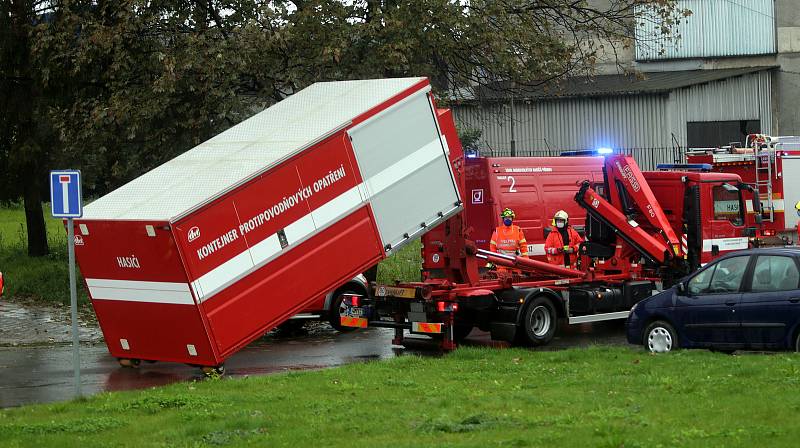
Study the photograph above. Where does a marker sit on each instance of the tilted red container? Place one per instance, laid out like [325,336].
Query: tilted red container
[197,258]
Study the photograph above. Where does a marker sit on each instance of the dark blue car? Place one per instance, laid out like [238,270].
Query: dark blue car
[746,300]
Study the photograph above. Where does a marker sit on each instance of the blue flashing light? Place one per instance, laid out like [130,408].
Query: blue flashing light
[587,152]
[684,166]
[471,154]
[581,152]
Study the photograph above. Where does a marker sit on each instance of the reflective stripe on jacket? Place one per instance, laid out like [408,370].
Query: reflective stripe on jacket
[508,240]
[554,245]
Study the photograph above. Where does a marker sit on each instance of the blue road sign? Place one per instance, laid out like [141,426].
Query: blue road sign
[65,194]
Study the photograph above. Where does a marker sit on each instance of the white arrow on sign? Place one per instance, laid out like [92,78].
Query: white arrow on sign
[64,180]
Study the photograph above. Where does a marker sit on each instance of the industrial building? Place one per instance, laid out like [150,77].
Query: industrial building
[734,70]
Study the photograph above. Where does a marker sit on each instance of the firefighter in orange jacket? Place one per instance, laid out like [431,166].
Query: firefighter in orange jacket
[562,243]
[508,239]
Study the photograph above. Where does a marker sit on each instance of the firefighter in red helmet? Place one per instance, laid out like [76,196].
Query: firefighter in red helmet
[561,245]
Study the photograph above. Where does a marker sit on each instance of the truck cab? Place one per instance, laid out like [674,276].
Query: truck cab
[706,209]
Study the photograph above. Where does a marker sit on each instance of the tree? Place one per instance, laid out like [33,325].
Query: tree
[457,44]
[116,88]
[23,137]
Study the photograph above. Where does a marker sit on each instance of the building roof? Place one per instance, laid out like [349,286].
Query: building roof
[609,85]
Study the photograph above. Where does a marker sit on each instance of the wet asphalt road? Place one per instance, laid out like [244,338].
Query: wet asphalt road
[44,374]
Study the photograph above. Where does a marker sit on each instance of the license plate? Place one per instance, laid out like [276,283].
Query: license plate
[354,311]
[355,322]
[396,291]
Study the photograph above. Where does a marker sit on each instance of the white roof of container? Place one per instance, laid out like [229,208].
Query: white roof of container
[244,151]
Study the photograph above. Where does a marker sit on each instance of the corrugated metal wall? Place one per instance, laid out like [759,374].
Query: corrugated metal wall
[715,28]
[579,123]
[652,124]
[741,98]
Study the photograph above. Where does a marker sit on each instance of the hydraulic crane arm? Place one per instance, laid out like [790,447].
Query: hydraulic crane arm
[622,172]
[600,209]
[629,193]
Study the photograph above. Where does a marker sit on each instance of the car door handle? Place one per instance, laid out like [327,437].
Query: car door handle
[795,299]
[730,303]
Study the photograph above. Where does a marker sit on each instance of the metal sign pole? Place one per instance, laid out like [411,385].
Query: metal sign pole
[73,298]
[66,201]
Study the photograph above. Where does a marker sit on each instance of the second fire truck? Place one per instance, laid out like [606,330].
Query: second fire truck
[764,163]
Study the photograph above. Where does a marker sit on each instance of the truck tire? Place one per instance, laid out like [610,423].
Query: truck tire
[334,314]
[539,322]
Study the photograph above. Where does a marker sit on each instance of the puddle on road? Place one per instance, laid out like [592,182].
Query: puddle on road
[44,373]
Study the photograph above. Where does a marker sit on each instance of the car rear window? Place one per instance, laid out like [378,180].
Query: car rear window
[775,273]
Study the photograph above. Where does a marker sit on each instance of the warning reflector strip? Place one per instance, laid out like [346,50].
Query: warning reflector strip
[140,291]
[426,327]
[357,322]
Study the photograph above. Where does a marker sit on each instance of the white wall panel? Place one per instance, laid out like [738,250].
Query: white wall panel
[716,28]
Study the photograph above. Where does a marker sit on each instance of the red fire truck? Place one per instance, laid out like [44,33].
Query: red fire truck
[643,230]
[765,163]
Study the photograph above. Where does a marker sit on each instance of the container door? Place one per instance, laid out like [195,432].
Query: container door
[407,176]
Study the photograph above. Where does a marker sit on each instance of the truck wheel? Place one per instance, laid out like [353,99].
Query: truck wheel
[337,308]
[539,322]
[660,337]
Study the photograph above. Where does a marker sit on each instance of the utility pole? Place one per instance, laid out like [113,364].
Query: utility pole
[513,141]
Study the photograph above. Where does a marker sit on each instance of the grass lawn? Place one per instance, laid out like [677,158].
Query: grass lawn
[47,279]
[477,397]
[39,278]
[404,265]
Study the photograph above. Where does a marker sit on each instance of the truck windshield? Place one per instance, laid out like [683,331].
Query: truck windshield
[728,204]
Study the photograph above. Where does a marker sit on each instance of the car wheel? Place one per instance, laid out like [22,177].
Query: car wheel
[660,337]
[336,310]
[539,321]
[797,342]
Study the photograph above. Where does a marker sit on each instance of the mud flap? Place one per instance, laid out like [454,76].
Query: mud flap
[503,331]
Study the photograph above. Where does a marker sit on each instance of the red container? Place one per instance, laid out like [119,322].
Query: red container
[197,258]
